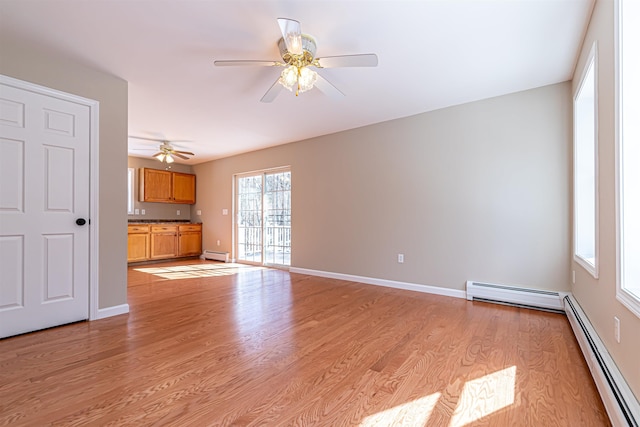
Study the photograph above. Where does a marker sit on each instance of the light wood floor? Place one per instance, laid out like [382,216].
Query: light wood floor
[214,344]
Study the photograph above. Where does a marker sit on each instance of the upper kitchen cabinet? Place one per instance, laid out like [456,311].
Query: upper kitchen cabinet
[155,186]
[184,188]
[167,187]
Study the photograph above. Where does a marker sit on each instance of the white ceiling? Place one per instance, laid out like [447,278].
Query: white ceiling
[432,54]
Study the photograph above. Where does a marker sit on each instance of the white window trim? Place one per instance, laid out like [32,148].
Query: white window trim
[628,299]
[593,269]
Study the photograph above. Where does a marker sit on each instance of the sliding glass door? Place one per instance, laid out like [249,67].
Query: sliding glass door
[263,217]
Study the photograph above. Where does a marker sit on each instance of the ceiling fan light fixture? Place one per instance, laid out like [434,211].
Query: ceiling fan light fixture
[160,156]
[289,77]
[306,79]
[298,53]
[168,158]
[302,78]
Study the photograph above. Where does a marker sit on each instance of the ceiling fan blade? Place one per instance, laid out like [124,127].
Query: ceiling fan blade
[157,154]
[327,88]
[273,92]
[291,33]
[361,60]
[188,153]
[245,62]
[179,155]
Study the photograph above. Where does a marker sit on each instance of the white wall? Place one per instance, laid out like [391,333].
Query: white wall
[36,64]
[477,191]
[597,297]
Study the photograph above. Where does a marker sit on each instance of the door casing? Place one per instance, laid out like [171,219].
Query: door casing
[94,116]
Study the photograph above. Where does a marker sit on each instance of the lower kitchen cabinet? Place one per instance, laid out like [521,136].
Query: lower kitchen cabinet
[163,241]
[189,239]
[138,243]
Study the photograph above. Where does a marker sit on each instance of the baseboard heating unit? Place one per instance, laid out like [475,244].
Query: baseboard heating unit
[622,406]
[216,255]
[516,296]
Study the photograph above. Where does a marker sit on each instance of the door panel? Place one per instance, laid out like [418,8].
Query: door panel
[12,255]
[12,175]
[58,181]
[44,188]
[58,267]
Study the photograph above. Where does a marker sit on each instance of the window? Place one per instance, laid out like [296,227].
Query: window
[130,190]
[585,170]
[263,217]
[628,152]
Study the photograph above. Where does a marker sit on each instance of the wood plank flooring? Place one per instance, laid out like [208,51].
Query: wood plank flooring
[211,344]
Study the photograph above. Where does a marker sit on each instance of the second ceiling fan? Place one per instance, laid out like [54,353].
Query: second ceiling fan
[166,151]
[298,54]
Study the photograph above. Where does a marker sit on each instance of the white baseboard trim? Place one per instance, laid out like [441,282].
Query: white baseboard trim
[621,405]
[383,282]
[116,310]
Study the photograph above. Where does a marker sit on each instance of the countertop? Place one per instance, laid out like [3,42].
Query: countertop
[161,221]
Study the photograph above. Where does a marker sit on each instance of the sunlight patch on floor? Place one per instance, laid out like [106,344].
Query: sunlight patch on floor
[414,413]
[197,270]
[479,398]
[484,396]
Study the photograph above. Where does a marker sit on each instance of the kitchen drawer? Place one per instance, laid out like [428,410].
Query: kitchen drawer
[164,228]
[190,227]
[138,228]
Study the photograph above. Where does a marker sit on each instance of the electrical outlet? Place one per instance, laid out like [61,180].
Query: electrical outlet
[198,212]
[136,212]
[225,211]
[218,242]
[616,328]
[178,212]
[400,258]
[143,212]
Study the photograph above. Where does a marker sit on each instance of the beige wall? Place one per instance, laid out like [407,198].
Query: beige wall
[597,297]
[38,65]
[157,210]
[478,191]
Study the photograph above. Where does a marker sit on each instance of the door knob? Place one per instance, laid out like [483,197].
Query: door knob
[81,221]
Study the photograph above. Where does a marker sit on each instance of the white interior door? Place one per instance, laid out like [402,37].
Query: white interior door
[44,191]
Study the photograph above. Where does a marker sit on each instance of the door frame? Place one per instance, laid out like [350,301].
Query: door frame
[94,119]
[234,222]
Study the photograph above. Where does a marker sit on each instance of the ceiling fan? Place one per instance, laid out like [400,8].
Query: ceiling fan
[167,151]
[298,53]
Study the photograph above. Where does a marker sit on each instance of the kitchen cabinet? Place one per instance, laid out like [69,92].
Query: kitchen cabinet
[184,188]
[137,243]
[157,241]
[163,186]
[189,239]
[155,185]
[163,241]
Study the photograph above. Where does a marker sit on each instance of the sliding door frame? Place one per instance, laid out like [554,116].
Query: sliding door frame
[236,212]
